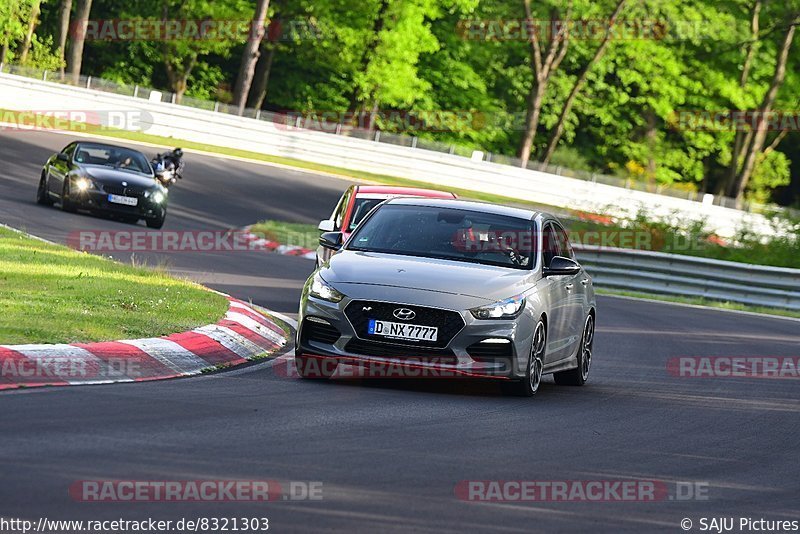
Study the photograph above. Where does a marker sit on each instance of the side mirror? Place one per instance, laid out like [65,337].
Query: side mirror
[62,157]
[326,226]
[331,240]
[561,266]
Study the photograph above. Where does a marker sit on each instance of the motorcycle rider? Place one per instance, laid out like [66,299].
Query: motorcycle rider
[175,157]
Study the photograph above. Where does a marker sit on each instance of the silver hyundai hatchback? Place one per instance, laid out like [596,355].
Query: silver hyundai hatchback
[446,288]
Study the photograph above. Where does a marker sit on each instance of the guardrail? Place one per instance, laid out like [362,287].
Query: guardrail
[442,170]
[678,275]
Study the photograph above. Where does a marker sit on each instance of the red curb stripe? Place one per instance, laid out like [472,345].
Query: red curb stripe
[14,367]
[206,348]
[137,363]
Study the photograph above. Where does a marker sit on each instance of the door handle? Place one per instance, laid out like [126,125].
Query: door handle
[585,282]
[569,287]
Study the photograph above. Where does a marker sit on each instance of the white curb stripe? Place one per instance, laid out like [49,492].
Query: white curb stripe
[171,354]
[232,341]
[255,326]
[79,360]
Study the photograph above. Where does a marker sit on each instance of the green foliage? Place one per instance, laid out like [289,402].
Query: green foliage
[414,55]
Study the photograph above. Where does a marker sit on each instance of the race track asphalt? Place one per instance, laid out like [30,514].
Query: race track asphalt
[390,453]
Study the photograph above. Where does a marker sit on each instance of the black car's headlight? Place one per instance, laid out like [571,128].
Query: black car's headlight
[84,184]
[322,290]
[156,196]
[505,309]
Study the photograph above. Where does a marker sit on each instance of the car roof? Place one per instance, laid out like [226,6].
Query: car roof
[484,207]
[407,191]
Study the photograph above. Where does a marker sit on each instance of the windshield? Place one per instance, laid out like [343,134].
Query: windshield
[362,208]
[110,156]
[447,233]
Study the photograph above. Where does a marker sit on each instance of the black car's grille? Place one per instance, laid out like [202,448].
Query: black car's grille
[492,353]
[383,350]
[129,191]
[449,323]
[319,332]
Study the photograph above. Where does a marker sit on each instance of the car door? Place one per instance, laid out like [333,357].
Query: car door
[57,170]
[557,295]
[575,292]
[338,216]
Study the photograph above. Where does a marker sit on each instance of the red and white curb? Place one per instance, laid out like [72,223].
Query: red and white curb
[258,242]
[242,335]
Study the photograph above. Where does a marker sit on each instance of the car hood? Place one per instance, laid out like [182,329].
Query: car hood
[483,282]
[107,175]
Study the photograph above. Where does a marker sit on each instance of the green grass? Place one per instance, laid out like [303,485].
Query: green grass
[296,234]
[51,294]
[700,302]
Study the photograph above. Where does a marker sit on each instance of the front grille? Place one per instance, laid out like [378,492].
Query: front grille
[321,333]
[449,323]
[492,353]
[383,350]
[129,191]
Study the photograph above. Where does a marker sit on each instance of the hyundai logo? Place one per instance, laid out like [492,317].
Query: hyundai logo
[404,314]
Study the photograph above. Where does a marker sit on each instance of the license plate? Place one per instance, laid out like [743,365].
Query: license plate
[127,201]
[403,331]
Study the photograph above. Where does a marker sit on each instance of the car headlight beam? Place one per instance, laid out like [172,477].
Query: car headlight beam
[158,197]
[509,308]
[322,290]
[82,184]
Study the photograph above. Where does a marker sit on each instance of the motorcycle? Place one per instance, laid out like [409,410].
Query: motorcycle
[165,171]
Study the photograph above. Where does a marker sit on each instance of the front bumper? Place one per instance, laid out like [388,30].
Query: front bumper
[325,331]
[96,200]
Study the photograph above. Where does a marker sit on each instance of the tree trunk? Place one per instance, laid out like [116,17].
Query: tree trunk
[542,66]
[258,93]
[32,23]
[759,136]
[739,141]
[179,78]
[250,56]
[576,88]
[78,39]
[535,98]
[63,30]
[366,58]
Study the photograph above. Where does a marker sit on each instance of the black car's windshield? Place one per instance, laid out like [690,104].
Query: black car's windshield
[447,233]
[111,156]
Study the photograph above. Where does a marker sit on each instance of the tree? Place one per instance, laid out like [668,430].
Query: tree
[543,66]
[78,39]
[758,138]
[63,29]
[558,131]
[33,21]
[250,56]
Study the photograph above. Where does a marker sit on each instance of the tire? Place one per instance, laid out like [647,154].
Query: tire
[42,196]
[529,386]
[580,375]
[66,204]
[315,368]
[155,224]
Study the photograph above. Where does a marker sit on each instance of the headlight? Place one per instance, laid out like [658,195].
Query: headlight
[321,290]
[158,197]
[83,184]
[505,309]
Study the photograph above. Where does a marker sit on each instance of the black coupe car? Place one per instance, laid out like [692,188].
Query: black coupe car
[106,179]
